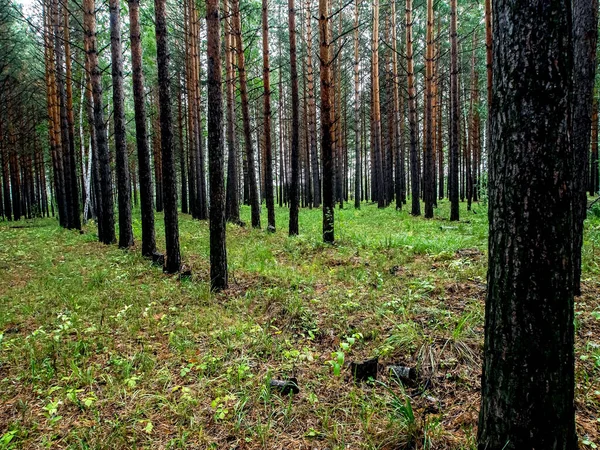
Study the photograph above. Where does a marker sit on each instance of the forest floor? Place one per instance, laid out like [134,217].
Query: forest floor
[101,350]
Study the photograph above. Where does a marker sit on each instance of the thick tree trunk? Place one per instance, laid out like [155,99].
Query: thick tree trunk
[122,160]
[528,372]
[173,260]
[218,251]
[585,38]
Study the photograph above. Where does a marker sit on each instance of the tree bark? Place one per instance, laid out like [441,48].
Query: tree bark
[143,152]
[253,182]
[122,159]
[218,251]
[326,144]
[412,115]
[453,154]
[232,201]
[594,163]
[376,114]
[73,187]
[294,206]
[428,164]
[108,217]
[528,371]
[268,158]
[173,259]
[357,161]
[585,38]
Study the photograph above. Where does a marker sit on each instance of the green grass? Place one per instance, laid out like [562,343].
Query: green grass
[99,349]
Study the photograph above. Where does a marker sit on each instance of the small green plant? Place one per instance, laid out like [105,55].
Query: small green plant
[338,357]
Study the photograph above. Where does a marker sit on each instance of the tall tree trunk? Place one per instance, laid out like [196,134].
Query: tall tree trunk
[108,215]
[73,187]
[218,251]
[252,180]
[528,371]
[412,114]
[232,201]
[143,152]
[428,164]
[326,144]
[173,260]
[594,163]
[397,118]
[378,151]
[357,161]
[585,38]
[268,158]
[453,154]
[293,225]
[122,159]
[5,176]
[95,197]
[54,118]
[182,165]
[61,102]
[312,111]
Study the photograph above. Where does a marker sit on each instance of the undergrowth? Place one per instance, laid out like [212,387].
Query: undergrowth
[99,349]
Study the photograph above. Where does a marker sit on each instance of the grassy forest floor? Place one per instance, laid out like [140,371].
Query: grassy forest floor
[99,349]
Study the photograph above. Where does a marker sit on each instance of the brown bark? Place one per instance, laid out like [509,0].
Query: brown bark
[312,111]
[326,116]
[73,187]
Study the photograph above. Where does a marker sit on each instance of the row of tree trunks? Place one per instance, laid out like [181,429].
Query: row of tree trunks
[294,194]
[232,200]
[251,170]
